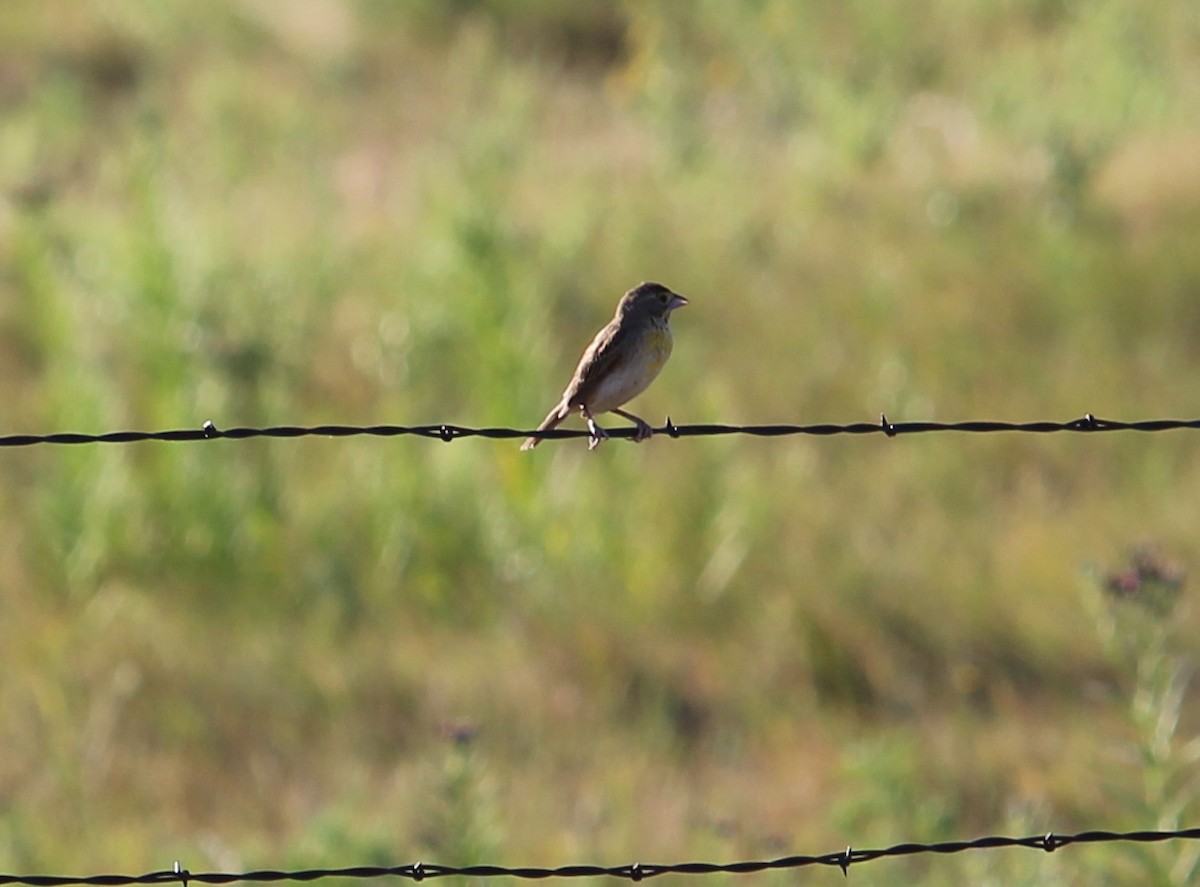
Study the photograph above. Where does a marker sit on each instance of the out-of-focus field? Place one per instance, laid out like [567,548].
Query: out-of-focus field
[332,652]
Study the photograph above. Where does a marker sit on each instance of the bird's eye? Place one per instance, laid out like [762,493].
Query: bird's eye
[662,297]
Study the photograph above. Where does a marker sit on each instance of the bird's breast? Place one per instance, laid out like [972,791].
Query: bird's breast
[658,348]
[631,376]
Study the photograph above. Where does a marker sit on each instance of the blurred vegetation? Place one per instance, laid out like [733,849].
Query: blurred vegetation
[279,653]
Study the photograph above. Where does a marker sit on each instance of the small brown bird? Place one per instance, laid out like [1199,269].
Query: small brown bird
[622,360]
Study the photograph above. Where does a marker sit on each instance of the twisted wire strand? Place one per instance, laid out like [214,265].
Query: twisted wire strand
[633,871]
[444,432]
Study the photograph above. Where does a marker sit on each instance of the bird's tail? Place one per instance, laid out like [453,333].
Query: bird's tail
[553,418]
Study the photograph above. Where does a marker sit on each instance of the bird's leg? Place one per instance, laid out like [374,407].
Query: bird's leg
[598,434]
[643,432]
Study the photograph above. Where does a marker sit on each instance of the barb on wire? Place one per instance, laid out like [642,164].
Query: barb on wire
[418,871]
[447,433]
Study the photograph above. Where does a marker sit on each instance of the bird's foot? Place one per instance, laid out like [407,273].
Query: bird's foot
[642,432]
[598,434]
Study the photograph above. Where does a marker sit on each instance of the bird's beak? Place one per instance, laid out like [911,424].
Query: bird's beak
[677,301]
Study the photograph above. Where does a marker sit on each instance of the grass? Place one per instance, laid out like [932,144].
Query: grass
[331,652]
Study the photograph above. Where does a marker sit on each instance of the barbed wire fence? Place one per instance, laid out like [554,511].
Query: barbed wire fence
[637,871]
[209,431]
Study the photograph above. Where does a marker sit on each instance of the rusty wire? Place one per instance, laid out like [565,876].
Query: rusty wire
[208,431]
[418,871]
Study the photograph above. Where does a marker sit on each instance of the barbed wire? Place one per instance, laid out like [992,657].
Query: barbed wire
[637,871]
[447,433]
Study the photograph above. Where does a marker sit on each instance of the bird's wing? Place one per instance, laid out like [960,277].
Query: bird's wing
[605,354]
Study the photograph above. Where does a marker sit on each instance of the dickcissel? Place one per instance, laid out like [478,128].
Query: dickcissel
[622,360]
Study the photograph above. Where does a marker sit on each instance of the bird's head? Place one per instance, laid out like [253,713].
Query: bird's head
[650,298]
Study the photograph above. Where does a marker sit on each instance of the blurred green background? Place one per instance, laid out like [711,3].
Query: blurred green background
[334,652]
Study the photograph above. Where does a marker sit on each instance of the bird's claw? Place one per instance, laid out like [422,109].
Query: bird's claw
[598,434]
[641,431]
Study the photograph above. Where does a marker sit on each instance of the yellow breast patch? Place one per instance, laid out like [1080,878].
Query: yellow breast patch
[658,348]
